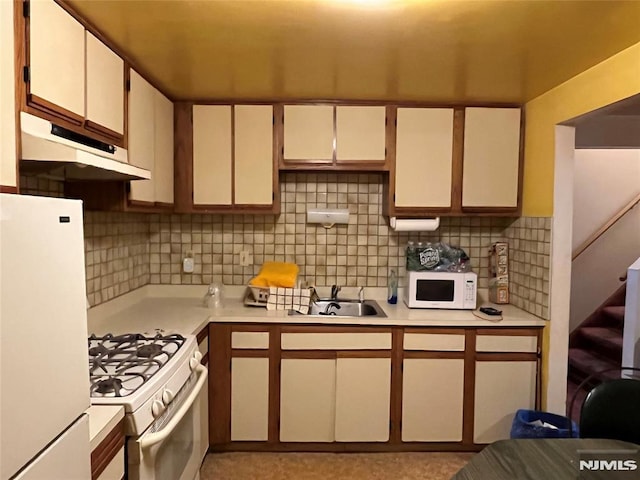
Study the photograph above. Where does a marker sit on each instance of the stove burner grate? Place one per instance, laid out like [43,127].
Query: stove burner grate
[120,364]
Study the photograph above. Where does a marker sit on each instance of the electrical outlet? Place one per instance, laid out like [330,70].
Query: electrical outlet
[245,258]
[188,263]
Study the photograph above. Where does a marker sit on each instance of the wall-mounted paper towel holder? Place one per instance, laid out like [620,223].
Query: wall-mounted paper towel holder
[328,217]
[414,224]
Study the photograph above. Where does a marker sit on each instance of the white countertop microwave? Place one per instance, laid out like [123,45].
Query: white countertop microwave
[429,289]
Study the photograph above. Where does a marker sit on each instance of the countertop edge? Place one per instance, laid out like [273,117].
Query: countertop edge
[102,419]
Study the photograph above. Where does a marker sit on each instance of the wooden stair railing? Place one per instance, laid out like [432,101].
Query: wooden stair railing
[610,223]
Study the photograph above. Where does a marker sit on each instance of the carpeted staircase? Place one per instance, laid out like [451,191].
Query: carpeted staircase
[596,345]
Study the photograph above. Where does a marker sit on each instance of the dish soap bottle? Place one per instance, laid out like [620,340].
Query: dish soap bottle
[392,288]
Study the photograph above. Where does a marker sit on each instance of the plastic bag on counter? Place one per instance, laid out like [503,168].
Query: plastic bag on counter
[437,256]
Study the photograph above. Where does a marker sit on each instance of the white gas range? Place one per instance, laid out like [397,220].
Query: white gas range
[158,379]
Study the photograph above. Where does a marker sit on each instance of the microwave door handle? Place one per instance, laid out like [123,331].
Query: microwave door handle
[152,439]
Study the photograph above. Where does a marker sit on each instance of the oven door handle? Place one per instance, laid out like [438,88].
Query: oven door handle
[154,438]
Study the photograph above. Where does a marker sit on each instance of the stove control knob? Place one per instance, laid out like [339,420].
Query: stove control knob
[157,408]
[167,396]
[195,360]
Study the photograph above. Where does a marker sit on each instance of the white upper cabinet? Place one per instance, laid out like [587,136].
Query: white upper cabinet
[253,161]
[150,141]
[57,57]
[163,147]
[212,157]
[491,157]
[360,133]
[233,155]
[424,157]
[308,132]
[142,135]
[8,176]
[105,86]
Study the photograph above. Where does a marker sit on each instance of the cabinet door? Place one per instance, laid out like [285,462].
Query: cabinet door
[253,160]
[308,132]
[163,147]
[142,135]
[360,133]
[57,58]
[432,400]
[363,392]
[491,157]
[105,86]
[424,157]
[212,155]
[8,175]
[249,399]
[307,400]
[502,387]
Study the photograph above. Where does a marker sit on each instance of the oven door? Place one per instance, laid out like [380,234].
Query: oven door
[170,448]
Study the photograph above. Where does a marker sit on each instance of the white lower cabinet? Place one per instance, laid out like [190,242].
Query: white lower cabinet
[307,400]
[363,398]
[329,400]
[432,399]
[502,387]
[249,399]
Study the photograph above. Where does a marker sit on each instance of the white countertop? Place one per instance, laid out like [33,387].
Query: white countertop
[179,309]
[102,419]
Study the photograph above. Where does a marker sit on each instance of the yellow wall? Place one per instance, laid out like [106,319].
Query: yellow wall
[615,79]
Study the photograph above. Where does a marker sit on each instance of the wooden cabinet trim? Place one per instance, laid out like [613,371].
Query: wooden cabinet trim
[469,387]
[219,384]
[433,354]
[107,450]
[56,111]
[510,331]
[397,360]
[97,128]
[275,356]
[332,329]
[249,353]
[457,166]
[506,357]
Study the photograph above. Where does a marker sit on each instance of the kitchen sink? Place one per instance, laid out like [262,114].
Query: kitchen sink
[344,309]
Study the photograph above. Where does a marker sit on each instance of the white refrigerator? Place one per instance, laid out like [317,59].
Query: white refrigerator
[44,373]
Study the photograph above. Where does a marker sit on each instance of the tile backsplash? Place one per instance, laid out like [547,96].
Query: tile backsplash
[358,254]
[116,254]
[125,250]
[529,256]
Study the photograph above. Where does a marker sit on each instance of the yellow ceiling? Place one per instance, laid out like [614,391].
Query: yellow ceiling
[427,50]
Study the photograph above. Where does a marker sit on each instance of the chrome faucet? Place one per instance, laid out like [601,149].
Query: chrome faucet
[334,291]
[361,295]
[328,307]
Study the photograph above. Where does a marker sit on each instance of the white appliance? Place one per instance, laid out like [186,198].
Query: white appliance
[160,382]
[44,381]
[431,289]
[71,155]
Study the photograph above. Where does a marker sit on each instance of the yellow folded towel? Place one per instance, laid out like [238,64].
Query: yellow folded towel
[276,274]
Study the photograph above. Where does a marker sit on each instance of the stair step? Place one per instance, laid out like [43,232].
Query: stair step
[607,342]
[583,363]
[616,312]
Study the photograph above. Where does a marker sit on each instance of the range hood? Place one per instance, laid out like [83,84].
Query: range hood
[48,148]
